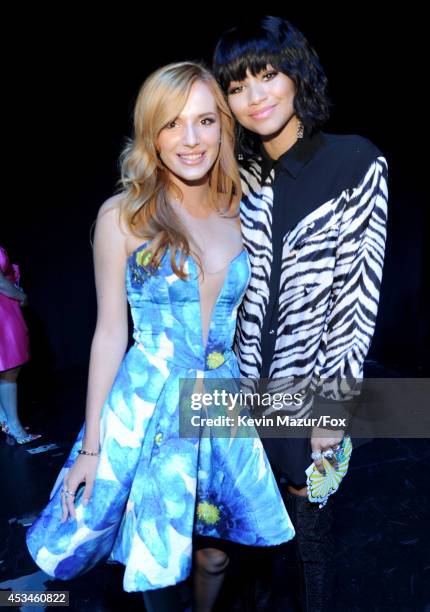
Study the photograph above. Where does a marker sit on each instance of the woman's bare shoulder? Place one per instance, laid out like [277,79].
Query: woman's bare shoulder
[111,210]
[111,204]
[109,229]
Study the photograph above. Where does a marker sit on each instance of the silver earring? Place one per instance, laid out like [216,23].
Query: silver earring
[300,129]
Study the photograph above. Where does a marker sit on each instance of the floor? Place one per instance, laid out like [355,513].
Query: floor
[382,515]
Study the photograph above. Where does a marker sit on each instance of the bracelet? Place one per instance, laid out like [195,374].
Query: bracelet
[84,452]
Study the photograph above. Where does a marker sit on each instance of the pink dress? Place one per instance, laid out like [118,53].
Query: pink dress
[14,341]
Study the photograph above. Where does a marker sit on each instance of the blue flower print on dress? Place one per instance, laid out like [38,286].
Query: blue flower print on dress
[154,489]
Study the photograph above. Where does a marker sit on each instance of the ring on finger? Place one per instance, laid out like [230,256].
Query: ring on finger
[67,492]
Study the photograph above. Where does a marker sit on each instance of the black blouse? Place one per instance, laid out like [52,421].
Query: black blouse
[314,224]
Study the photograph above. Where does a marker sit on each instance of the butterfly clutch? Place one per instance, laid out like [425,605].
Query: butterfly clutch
[320,486]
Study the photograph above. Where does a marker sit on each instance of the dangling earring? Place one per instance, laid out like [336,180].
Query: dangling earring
[300,129]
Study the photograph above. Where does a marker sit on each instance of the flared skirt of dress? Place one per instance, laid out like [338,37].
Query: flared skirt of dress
[154,489]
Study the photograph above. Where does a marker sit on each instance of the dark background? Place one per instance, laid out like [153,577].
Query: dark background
[72,80]
[70,77]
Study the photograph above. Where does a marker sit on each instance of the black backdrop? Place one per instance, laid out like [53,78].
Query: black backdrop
[72,79]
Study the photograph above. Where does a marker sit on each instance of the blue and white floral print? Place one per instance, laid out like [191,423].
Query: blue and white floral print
[153,488]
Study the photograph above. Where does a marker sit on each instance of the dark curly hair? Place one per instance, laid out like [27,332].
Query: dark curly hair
[273,40]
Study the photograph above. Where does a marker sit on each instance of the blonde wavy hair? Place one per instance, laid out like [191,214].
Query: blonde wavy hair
[145,182]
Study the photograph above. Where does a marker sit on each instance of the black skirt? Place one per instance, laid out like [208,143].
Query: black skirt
[289,458]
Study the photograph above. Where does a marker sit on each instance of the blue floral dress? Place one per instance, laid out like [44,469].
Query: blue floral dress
[154,488]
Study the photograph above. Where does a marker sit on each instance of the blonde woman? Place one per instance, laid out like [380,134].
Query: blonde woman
[170,243]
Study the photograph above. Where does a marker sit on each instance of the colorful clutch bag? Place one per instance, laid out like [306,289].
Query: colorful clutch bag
[321,487]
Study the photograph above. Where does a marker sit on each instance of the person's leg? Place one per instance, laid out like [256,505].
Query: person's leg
[8,399]
[286,574]
[163,600]
[314,549]
[3,415]
[289,458]
[210,565]
[10,423]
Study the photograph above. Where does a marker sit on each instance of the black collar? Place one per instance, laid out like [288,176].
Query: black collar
[297,156]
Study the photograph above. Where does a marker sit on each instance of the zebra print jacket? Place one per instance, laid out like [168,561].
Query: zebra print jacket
[332,260]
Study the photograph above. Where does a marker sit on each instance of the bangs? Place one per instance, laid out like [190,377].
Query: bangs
[258,42]
[232,61]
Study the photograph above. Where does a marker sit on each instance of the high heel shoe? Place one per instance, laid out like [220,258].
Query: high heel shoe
[20,439]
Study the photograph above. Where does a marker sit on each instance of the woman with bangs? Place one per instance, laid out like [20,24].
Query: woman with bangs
[314,213]
[133,489]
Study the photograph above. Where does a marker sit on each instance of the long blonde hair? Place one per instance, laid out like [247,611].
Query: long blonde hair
[145,182]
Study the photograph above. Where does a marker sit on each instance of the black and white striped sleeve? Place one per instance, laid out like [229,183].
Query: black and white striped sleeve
[353,307]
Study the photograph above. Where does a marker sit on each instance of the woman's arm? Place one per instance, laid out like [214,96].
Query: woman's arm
[353,307]
[354,301]
[9,289]
[111,334]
